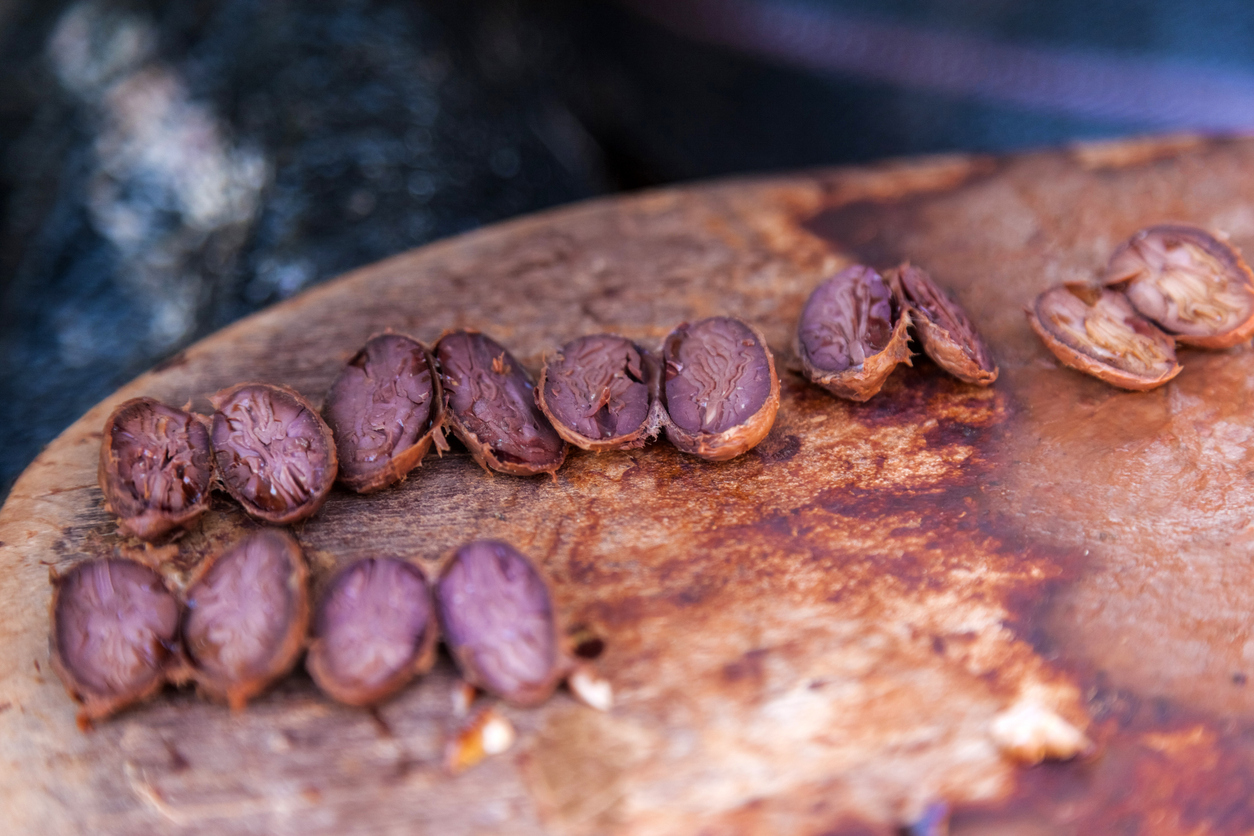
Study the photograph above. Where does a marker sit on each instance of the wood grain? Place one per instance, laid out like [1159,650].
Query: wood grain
[813,638]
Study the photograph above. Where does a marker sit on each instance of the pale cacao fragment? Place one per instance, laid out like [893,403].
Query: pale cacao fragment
[852,333]
[720,391]
[601,393]
[1189,282]
[156,467]
[1097,331]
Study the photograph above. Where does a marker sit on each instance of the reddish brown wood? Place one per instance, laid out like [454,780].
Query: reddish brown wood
[815,637]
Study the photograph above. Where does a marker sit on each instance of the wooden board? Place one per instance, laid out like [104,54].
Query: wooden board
[814,638]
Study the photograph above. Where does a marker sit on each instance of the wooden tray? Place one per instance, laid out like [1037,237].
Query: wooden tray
[814,638]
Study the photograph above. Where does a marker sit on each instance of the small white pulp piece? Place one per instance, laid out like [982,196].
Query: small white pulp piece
[1030,732]
[590,689]
[497,735]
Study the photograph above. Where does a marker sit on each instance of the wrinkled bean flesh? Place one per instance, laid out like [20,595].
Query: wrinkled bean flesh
[720,390]
[497,620]
[1191,284]
[1098,332]
[247,615]
[853,333]
[156,467]
[114,631]
[944,329]
[274,453]
[374,630]
[600,392]
[492,406]
[383,410]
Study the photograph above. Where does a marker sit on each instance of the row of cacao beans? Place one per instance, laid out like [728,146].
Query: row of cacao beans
[119,632]
[714,390]
[712,387]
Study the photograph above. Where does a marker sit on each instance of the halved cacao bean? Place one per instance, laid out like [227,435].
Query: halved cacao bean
[601,393]
[1191,284]
[1097,331]
[114,634]
[374,630]
[497,619]
[492,406]
[156,467]
[274,453]
[247,613]
[852,334]
[720,391]
[944,329]
[384,410]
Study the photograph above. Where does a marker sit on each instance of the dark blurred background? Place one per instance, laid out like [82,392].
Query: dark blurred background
[166,168]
